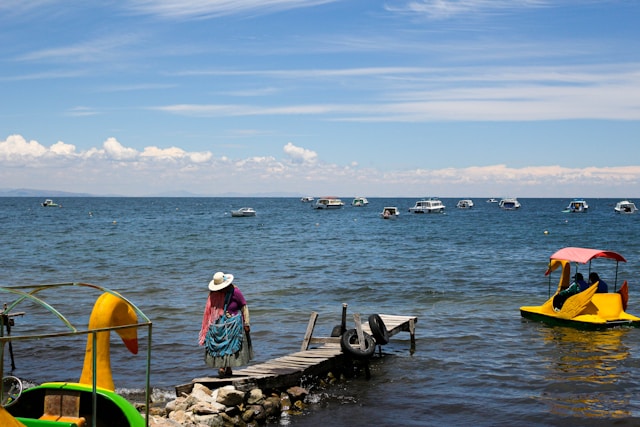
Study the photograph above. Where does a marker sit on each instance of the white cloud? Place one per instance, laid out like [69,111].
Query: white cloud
[167,153]
[299,154]
[15,147]
[201,9]
[62,149]
[117,151]
[441,9]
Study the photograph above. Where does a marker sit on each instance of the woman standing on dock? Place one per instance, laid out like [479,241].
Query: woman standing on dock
[225,326]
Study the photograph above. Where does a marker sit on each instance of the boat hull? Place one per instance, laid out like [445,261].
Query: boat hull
[586,310]
[576,323]
[242,214]
[426,211]
[111,410]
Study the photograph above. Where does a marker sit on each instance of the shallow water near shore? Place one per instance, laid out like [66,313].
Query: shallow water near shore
[464,274]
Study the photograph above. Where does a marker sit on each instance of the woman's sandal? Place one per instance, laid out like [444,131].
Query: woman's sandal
[225,372]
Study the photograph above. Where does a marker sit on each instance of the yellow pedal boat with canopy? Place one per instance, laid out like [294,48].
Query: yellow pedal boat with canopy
[586,309]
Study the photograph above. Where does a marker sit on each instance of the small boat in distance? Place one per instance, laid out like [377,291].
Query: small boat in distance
[509,204]
[306,199]
[625,207]
[492,200]
[430,205]
[390,212]
[328,203]
[359,201]
[465,204]
[50,204]
[577,206]
[243,212]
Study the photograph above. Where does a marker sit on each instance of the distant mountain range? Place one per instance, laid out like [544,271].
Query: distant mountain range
[29,192]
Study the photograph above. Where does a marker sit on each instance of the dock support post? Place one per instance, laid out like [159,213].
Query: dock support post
[360,332]
[343,323]
[412,332]
[309,333]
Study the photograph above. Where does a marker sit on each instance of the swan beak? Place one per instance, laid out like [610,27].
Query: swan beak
[132,344]
[129,337]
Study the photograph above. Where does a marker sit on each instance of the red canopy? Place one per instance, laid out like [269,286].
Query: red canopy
[584,255]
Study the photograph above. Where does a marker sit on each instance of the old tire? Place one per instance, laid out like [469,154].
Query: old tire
[337,331]
[350,344]
[378,329]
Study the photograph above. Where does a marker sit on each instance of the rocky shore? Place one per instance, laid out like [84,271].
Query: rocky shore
[228,406]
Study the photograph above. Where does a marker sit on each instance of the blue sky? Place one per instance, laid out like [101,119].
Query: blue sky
[527,98]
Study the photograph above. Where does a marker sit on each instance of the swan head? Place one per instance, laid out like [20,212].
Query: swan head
[108,311]
[565,276]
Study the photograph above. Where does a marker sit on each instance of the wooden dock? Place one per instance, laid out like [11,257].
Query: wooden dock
[317,357]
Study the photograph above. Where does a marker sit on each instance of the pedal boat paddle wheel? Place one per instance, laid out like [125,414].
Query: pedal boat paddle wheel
[587,309]
[92,400]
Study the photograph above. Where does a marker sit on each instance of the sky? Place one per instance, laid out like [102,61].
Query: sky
[375,98]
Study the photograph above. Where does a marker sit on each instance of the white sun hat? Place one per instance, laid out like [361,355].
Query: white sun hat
[220,281]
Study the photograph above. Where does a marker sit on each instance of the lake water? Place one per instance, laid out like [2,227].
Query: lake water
[464,274]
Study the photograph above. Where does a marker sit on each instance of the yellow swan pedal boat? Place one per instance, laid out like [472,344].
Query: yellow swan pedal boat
[91,400]
[587,309]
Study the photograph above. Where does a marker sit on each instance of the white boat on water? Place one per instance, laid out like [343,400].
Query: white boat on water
[50,204]
[465,204]
[509,204]
[306,199]
[430,205]
[577,206]
[359,201]
[625,207]
[328,203]
[243,212]
[492,200]
[390,212]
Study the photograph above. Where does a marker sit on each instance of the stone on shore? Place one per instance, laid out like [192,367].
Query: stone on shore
[227,406]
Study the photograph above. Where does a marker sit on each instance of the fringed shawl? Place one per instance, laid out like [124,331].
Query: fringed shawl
[212,311]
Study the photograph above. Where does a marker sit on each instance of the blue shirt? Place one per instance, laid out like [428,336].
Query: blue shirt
[582,285]
[603,288]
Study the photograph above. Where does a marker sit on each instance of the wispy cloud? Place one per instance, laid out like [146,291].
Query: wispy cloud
[95,50]
[442,9]
[202,9]
[82,111]
[460,94]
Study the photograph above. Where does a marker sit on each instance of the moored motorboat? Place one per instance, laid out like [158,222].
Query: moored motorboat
[625,207]
[586,309]
[242,212]
[359,202]
[328,203]
[92,400]
[306,199]
[509,204]
[465,204]
[390,212]
[430,205]
[48,203]
[577,206]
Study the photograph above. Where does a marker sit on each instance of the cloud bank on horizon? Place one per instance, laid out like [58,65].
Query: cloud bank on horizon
[529,98]
[126,171]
